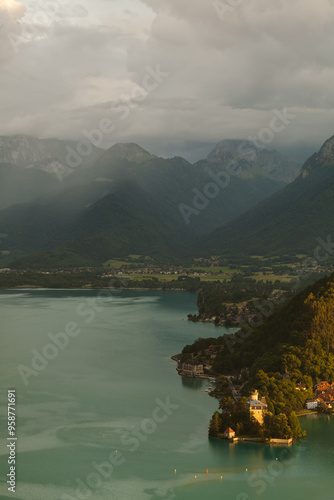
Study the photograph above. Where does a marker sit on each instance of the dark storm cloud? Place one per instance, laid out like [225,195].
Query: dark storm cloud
[228,68]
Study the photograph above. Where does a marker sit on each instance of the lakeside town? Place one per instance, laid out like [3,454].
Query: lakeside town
[234,296]
[258,403]
[323,397]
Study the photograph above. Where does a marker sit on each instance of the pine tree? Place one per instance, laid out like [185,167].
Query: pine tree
[214,428]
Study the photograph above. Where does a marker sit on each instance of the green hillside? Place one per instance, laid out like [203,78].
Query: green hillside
[290,221]
[33,226]
[19,185]
[298,338]
[173,181]
[282,358]
[62,216]
[125,222]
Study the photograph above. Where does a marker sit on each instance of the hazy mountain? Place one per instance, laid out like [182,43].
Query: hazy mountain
[127,221]
[33,226]
[30,168]
[176,183]
[289,222]
[44,154]
[319,161]
[255,160]
[55,219]
[18,185]
[130,151]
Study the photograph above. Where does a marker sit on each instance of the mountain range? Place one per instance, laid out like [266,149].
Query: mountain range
[292,221]
[29,152]
[125,200]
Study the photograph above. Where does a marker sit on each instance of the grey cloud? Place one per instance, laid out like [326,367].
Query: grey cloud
[225,76]
[9,27]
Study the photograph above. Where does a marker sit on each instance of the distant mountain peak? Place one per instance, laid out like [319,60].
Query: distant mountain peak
[129,151]
[25,151]
[19,138]
[324,158]
[255,160]
[328,147]
[234,146]
[290,222]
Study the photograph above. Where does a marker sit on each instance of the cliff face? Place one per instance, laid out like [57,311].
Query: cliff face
[256,161]
[29,152]
[324,158]
[21,150]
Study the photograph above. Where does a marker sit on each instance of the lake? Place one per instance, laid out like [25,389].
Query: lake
[102,413]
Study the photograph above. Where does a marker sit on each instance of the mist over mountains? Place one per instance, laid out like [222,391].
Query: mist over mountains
[29,152]
[31,168]
[291,221]
[124,201]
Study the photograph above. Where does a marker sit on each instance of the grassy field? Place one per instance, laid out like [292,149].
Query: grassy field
[116,263]
[271,277]
[138,261]
[132,260]
[215,269]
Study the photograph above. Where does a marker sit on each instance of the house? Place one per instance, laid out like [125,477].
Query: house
[325,398]
[192,368]
[213,349]
[312,404]
[257,407]
[229,433]
[323,386]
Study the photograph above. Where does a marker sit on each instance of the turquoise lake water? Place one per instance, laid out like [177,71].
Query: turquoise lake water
[105,416]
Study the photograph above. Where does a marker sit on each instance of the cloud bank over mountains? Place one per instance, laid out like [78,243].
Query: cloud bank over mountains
[225,67]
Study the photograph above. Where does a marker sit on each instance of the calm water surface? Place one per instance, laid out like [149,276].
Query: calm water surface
[107,390]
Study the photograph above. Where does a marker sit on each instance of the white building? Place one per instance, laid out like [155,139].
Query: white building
[192,368]
[312,404]
[229,433]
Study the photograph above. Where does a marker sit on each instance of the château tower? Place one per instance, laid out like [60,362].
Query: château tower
[257,408]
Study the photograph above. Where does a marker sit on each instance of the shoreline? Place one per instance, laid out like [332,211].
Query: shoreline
[271,441]
[212,322]
[310,412]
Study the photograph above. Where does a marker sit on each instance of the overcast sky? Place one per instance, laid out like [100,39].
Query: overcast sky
[175,76]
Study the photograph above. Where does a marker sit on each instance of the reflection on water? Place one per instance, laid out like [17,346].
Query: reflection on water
[105,385]
[193,383]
